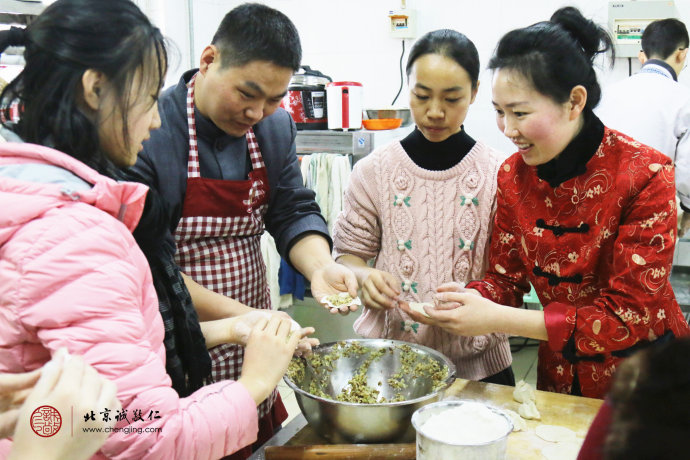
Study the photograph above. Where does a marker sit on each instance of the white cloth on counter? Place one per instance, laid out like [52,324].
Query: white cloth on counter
[305,165]
[321,174]
[341,168]
[328,175]
[286,301]
[272,262]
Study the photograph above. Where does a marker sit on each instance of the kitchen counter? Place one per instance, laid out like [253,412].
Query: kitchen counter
[572,412]
[680,281]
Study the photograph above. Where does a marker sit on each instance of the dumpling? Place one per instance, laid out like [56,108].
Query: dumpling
[524,392]
[529,411]
[519,423]
[419,307]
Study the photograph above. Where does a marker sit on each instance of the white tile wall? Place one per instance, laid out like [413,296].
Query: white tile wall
[349,40]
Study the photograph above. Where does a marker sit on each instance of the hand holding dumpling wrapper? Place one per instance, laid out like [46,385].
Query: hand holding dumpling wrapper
[438,301]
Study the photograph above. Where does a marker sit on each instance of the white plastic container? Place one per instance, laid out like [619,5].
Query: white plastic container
[485,439]
[344,105]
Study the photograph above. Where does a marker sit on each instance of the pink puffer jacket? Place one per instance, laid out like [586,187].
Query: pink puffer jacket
[71,275]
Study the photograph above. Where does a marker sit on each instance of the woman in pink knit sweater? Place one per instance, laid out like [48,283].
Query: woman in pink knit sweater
[423,209]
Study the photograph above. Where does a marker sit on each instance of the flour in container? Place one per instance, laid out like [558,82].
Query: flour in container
[470,423]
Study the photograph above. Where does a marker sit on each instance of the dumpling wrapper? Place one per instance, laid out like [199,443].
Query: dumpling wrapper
[519,423]
[529,411]
[294,325]
[330,300]
[562,451]
[419,307]
[555,433]
[524,392]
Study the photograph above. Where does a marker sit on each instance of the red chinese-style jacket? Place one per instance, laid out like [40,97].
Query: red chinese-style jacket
[598,250]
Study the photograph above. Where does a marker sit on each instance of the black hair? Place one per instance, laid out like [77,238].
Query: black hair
[662,38]
[556,55]
[69,37]
[451,44]
[255,32]
[650,404]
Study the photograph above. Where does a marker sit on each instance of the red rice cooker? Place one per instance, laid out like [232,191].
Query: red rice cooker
[305,100]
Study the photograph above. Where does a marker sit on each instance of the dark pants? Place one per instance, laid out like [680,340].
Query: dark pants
[505,377]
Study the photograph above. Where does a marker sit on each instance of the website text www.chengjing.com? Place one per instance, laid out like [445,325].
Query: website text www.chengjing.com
[124,429]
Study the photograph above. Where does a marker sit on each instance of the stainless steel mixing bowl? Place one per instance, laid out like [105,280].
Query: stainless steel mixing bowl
[405,114]
[343,422]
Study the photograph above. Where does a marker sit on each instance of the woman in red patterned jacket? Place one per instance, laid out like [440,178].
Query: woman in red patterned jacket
[586,214]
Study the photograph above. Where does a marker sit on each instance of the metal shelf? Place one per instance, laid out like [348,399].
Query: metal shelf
[19,12]
[359,143]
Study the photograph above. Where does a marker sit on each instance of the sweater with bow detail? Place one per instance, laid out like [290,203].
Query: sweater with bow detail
[426,228]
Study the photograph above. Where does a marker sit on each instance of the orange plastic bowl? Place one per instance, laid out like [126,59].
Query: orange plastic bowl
[382,123]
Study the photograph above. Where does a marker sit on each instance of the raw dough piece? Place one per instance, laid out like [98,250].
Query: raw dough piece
[419,307]
[519,423]
[524,392]
[562,451]
[529,411]
[555,433]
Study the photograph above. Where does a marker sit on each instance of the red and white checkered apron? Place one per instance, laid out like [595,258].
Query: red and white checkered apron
[218,241]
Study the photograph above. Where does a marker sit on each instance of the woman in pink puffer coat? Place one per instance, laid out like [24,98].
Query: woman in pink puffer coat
[71,274]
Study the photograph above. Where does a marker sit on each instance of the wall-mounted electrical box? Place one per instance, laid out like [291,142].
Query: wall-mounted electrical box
[628,19]
[403,23]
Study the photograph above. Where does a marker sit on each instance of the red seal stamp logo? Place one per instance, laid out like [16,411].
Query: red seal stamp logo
[46,421]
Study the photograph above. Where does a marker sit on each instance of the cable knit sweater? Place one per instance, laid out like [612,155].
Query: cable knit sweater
[426,228]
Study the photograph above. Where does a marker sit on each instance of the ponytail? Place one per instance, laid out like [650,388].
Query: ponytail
[592,38]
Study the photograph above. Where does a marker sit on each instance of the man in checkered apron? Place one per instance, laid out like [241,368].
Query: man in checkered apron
[225,161]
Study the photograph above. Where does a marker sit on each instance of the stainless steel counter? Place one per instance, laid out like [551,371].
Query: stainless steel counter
[680,274]
[358,143]
[282,437]
[680,280]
